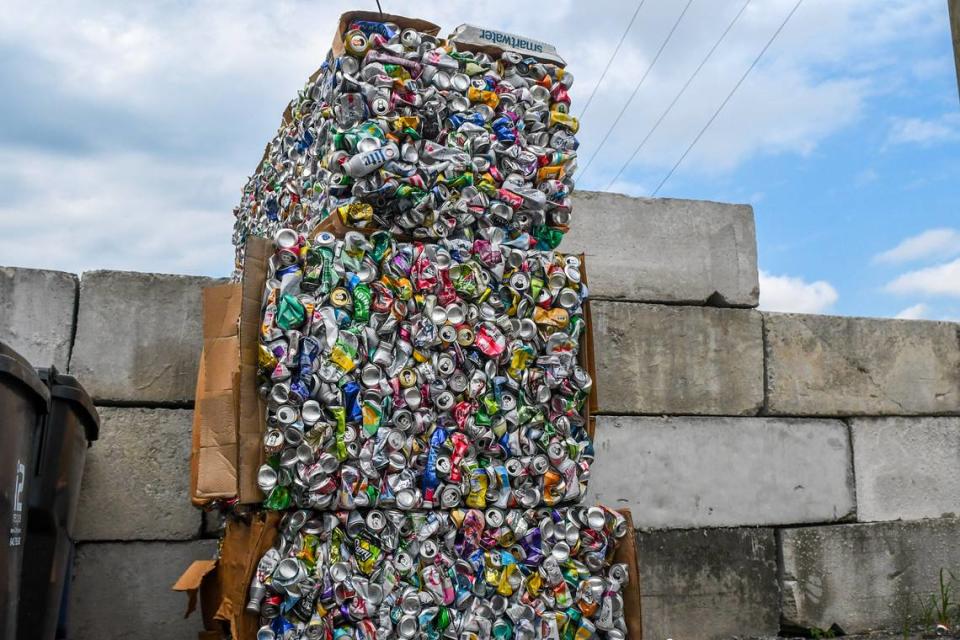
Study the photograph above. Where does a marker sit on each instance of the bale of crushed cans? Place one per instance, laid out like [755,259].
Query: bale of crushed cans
[424,354]
[459,574]
[403,131]
[417,375]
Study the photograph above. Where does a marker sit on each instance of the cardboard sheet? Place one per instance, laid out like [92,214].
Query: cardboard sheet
[490,41]
[423,26]
[587,360]
[201,580]
[215,444]
[191,580]
[250,409]
[243,544]
[228,420]
[627,552]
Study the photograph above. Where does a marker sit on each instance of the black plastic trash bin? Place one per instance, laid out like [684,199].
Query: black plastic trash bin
[60,450]
[24,400]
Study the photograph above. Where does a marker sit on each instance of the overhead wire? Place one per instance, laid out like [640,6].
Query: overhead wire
[677,97]
[613,57]
[663,46]
[729,95]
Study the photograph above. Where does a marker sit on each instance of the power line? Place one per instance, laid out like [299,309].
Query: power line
[610,61]
[636,89]
[729,95]
[678,96]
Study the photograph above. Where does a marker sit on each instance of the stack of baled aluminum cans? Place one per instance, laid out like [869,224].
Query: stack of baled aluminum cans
[422,351]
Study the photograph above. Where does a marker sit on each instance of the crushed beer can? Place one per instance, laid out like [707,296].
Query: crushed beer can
[540,574]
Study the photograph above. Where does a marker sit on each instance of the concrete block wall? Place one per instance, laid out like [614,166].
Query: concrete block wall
[133,340]
[786,471]
[782,469]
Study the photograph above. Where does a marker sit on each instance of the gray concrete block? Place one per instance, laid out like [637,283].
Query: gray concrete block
[139,336]
[655,359]
[677,473]
[663,250]
[136,482]
[122,591]
[706,584]
[833,366]
[864,576]
[37,314]
[906,468]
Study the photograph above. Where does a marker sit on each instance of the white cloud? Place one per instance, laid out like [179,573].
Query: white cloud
[932,243]
[924,131]
[791,294]
[915,312]
[811,84]
[134,119]
[174,226]
[939,280]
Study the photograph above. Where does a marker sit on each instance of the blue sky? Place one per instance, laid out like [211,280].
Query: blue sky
[127,129]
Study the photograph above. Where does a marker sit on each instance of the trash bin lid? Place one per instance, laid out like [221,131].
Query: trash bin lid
[67,388]
[15,366]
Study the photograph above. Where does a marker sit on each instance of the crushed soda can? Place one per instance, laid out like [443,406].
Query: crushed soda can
[422,375]
[479,574]
[406,133]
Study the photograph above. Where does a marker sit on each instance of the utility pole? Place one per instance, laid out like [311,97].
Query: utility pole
[954,6]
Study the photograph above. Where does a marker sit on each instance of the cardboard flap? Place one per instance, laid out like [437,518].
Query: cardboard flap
[468,37]
[252,282]
[243,545]
[213,472]
[628,553]
[190,582]
[219,477]
[221,359]
[589,356]
[251,423]
[251,420]
[195,443]
[424,26]
[221,306]
[191,579]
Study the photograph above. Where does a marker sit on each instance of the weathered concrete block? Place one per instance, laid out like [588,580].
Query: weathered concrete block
[123,591]
[864,576]
[906,468]
[137,476]
[655,359]
[139,336]
[709,583]
[36,314]
[662,250]
[677,473]
[833,366]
